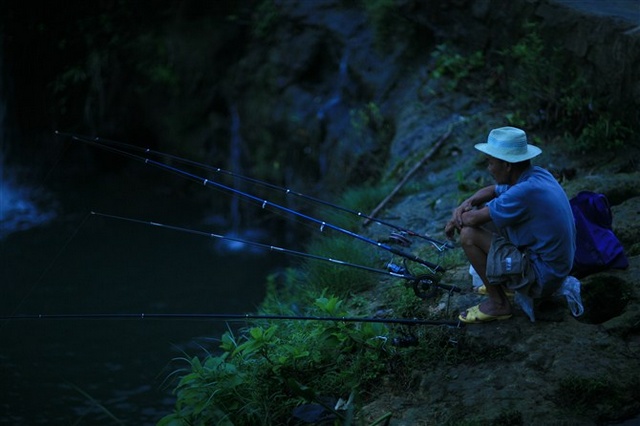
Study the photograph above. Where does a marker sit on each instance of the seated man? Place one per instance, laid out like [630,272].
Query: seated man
[531,247]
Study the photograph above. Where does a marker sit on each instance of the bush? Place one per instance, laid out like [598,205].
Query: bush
[548,90]
[261,377]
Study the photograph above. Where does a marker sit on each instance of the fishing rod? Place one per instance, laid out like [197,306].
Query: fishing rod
[264,203]
[424,285]
[226,317]
[398,236]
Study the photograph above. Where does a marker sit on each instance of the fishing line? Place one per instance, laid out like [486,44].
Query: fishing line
[227,317]
[424,285]
[256,244]
[265,203]
[440,246]
[50,266]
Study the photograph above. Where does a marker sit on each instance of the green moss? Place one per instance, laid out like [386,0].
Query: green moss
[265,18]
[388,25]
[547,90]
[505,418]
[453,65]
[599,397]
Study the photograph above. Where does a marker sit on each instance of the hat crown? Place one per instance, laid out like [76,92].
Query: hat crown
[508,144]
[508,140]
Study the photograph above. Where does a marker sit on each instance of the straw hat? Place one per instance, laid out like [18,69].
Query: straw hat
[508,144]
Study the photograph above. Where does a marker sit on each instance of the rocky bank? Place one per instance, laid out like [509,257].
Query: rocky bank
[330,63]
[357,98]
[332,93]
[559,370]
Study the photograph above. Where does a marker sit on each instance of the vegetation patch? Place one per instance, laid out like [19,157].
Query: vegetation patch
[273,373]
[261,376]
[389,23]
[599,397]
[454,65]
[338,277]
[505,418]
[549,92]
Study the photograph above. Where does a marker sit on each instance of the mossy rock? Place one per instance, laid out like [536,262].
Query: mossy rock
[612,299]
[605,296]
[625,222]
[617,187]
[599,397]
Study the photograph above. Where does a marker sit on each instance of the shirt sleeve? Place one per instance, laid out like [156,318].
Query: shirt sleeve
[501,189]
[510,206]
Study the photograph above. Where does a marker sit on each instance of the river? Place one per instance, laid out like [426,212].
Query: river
[113,371]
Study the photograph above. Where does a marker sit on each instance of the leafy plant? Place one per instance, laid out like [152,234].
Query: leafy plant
[336,277]
[262,376]
[453,65]
[265,17]
[546,91]
[361,199]
[402,301]
[367,117]
[604,134]
[386,22]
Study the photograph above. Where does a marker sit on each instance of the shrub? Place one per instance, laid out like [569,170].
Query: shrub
[337,278]
[453,65]
[262,376]
[546,89]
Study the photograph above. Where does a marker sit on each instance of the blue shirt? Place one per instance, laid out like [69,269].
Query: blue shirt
[535,215]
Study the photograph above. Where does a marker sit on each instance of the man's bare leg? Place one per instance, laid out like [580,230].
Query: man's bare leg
[476,243]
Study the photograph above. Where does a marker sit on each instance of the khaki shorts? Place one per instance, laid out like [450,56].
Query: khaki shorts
[508,266]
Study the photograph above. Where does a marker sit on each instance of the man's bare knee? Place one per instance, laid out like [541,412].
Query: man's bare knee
[475,237]
[468,236]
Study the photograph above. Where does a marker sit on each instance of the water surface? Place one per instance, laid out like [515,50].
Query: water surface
[93,372]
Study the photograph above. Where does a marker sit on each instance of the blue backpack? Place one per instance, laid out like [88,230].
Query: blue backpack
[597,247]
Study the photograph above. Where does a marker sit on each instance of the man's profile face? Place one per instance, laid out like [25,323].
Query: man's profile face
[498,169]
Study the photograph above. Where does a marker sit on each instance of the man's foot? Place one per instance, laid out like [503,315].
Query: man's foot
[483,290]
[474,315]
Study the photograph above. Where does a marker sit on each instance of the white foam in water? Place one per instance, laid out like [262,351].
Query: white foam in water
[19,205]
[242,242]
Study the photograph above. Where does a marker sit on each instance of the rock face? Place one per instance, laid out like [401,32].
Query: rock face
[627,217]
[602,37]
[559,370]
[581,370]
[340,85]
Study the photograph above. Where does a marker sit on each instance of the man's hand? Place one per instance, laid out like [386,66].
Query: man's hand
[450,229]
[455,223]
[457,213]
[475,202]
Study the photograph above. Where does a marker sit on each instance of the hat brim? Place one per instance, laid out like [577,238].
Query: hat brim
[532,151]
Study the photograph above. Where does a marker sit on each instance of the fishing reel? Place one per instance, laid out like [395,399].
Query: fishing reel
[400,238]
[405,340]
[425,285]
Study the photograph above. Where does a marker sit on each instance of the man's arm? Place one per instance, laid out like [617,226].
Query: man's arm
[474,210]
[481,197]
[475,217]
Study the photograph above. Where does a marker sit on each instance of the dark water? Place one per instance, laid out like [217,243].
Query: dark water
[95,372]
